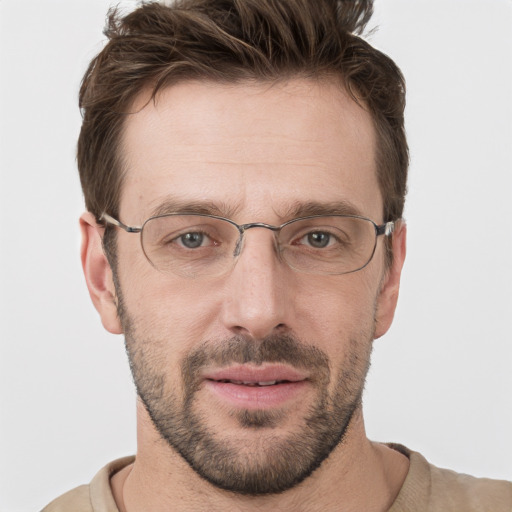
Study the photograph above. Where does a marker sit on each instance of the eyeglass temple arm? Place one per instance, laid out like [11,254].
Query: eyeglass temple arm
[114,222]
[386,229]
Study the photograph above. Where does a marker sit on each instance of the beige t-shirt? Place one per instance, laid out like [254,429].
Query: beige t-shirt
[426,489]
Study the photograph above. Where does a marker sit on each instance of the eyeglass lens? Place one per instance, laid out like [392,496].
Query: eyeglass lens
[194,245]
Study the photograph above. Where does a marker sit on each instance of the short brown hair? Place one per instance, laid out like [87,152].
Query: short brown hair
[233,41]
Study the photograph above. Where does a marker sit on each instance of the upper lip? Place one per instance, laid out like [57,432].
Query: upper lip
[254,374]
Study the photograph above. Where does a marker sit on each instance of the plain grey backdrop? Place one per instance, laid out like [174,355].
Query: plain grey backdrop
[441,379]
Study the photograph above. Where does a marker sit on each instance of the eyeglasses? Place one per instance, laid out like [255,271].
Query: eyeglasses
[195,245]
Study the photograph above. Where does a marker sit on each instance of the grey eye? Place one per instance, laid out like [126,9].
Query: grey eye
[318,239]
[192,240]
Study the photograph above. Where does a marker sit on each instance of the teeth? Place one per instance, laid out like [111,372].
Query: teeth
[244,383]
[267,383]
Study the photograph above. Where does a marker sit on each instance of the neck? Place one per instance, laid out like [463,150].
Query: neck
[358,475]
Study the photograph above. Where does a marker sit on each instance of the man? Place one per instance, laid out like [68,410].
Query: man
[244,168]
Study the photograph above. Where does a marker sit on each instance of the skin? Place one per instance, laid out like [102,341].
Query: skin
[254,150]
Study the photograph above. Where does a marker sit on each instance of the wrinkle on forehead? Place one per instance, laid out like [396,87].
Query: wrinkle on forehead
[198,107]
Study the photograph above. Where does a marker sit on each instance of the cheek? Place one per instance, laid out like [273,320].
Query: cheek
[332,302]
[166,310]
[337,312]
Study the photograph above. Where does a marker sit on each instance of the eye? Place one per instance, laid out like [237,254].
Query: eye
[193,240]
[318,239]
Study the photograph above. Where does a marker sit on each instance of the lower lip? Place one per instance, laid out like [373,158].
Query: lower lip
[256,397]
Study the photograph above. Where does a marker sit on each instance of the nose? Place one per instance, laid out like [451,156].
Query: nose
[259,289]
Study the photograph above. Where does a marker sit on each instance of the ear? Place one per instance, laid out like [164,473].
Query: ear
[388,294]
[98,274]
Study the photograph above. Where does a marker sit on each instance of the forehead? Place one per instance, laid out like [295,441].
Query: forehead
[251,149]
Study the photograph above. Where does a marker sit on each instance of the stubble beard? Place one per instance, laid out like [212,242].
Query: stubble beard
[268,463]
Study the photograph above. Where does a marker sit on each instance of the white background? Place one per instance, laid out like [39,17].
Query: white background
[441,380]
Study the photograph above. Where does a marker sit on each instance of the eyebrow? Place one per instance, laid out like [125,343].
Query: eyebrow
[175,205]
[310,208]
[295,210]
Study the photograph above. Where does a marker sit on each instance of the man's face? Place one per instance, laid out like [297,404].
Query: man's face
[253,376]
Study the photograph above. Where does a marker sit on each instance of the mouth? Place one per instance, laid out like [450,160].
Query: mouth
[250,387]
[262,376]
[250,383]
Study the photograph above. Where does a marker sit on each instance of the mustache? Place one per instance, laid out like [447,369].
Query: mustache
[244,350]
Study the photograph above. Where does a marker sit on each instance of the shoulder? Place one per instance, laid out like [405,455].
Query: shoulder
[77,500]
[466,492]
[431,489]
[95,497]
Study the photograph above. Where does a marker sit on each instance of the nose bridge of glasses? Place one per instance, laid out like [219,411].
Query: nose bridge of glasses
[244,227]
